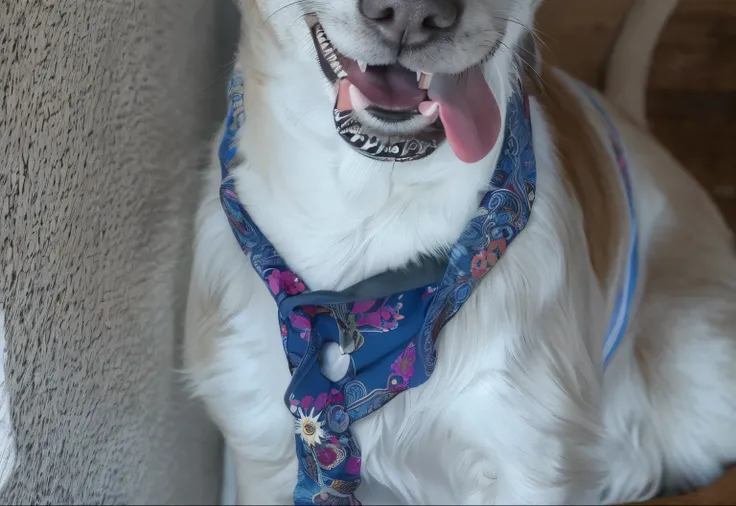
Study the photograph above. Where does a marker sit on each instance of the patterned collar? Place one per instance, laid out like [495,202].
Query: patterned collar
[388,325]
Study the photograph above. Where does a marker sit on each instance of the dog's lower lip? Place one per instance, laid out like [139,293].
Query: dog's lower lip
[389,116]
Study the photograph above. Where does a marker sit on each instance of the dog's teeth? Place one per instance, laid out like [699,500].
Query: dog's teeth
[338,70]
[425,80]
[363,66]
[419,76]
[329,53]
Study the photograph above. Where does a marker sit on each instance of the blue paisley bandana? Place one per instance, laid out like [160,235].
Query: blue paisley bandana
[391,337]
[388,324]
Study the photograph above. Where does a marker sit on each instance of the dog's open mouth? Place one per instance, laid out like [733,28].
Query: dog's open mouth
[426,108]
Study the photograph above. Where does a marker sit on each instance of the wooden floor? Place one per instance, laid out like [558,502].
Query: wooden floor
[692,95]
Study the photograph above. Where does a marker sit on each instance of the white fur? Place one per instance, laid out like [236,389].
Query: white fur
[518,409]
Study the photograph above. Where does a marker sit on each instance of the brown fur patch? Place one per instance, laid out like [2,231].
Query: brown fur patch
[589,171]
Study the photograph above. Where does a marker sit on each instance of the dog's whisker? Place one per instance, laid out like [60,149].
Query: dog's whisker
[228,70]
[516,55]
[534,32]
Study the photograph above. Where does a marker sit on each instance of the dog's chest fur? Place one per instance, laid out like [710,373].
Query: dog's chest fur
[504,363]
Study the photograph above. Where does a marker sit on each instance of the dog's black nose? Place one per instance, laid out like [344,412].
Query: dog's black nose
[411,22]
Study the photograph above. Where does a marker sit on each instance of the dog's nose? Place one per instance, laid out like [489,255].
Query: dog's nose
[411,22]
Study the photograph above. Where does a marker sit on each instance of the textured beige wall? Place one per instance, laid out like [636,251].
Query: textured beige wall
[106,107]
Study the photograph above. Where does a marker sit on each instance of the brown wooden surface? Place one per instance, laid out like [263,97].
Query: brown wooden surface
[720,493]
[692,103]
[692,95]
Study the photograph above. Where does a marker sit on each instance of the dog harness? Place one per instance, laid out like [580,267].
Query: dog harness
[387,325]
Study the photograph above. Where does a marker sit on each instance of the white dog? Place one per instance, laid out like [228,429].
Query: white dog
[402,142]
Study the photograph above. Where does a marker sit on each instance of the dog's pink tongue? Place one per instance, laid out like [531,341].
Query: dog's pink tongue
[469,113]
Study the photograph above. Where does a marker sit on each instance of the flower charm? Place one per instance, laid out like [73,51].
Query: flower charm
[309,427]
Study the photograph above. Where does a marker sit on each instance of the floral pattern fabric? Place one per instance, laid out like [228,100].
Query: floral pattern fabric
[391,341]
